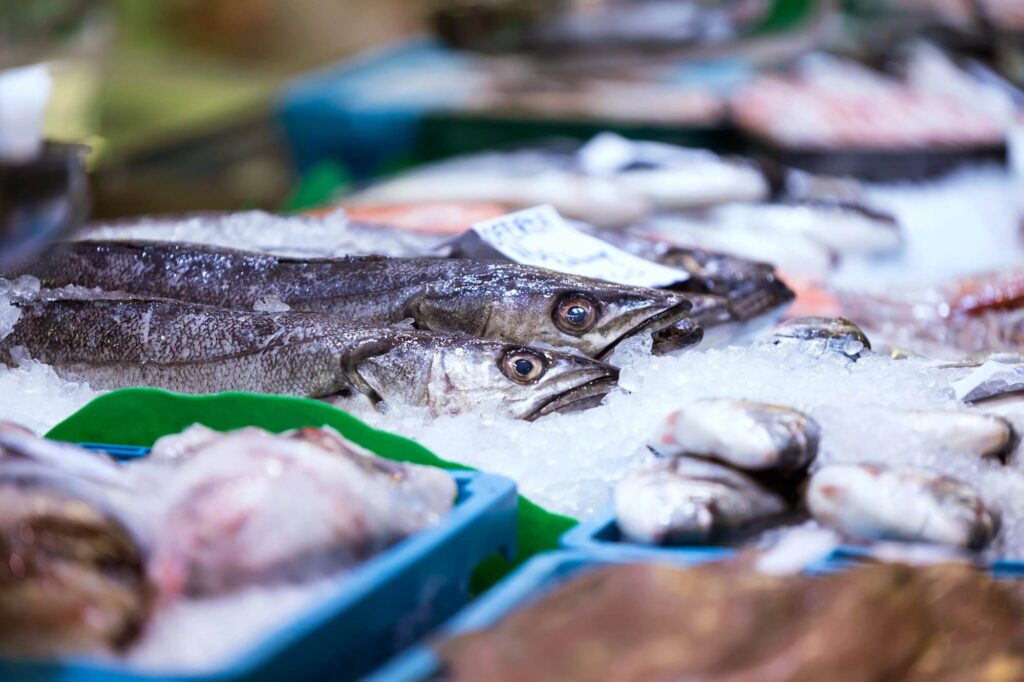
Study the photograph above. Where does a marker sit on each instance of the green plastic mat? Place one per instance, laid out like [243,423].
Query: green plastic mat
[139,416]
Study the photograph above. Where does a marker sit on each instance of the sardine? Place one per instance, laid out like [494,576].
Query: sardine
[249,507]
[875,502]
[689,501]
[114,343]
[73,575]
[825,334]
[743,434]
[506,301]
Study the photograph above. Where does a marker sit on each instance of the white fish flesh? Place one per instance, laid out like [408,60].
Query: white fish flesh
[874,502]
[743,434]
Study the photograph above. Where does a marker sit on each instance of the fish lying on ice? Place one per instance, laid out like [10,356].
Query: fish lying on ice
[743,434]
[506,301]
[689,500]
[73,573]
[122,342]
[823,334]
[250,507]
[875,502]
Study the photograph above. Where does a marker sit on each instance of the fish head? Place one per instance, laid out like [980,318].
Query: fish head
[533,306]
[455,373]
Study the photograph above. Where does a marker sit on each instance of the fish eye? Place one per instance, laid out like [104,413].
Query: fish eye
[575,314]
[523,366]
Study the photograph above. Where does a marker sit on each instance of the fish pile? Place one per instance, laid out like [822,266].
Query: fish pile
[731,468]
[93,552]
[725,621]
[449,334]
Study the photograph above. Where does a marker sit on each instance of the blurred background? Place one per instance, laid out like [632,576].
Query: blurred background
[230,104]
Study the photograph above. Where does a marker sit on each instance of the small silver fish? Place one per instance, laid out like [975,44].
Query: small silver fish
[875,502]
[689,500]
[822,334]
[741,433]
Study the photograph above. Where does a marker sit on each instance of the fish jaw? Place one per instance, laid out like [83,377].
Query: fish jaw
[659,325]
[591,386]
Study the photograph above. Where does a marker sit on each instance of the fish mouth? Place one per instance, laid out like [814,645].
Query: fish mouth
[685,333]
[581,397]
[656,322]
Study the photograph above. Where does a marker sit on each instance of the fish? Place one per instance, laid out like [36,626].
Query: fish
[825,334]
[506,301]
[687,500]
[249,507]
[743,434]
[189,348]
[837,227]
[874,502]
[518,179]
[726,621]
[73,565]
[750,288]
[965,431]
[980,314]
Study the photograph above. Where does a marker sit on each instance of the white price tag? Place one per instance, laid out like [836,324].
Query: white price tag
[538,236]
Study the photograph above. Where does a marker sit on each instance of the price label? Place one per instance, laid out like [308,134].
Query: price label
[539,236]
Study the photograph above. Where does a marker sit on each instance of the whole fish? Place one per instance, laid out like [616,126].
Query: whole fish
[743,434]
[73,575]
[689,501]
[875,502]
[821,334]
[250,507]
[506,301]
[114,343]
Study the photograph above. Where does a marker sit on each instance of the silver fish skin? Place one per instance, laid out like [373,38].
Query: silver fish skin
[825,334]
[492,299]
[249,507]
[73,574]
[741,433]
[689,501]
[874,502]
[965,431]
[123,342]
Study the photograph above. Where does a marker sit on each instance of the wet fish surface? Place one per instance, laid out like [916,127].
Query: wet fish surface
[492,299]
[744,434]
[725,622]
[73,576]
[689,501]
[122,342]
[821,334]
[875,502]
[249,507]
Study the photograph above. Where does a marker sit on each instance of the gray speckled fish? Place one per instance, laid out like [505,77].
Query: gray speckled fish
[689,500]
[114,343]
[491,299]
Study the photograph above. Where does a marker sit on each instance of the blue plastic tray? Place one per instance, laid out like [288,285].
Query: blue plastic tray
[379,608]
[599,535]
[535,579]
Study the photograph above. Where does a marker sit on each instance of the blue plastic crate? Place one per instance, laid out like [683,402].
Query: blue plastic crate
[378,609]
